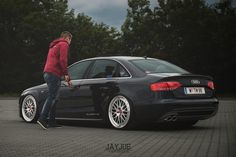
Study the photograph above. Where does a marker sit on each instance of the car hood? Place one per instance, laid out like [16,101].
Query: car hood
[36,87]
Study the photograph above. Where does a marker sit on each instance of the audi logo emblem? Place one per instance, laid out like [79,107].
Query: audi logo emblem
[195,82]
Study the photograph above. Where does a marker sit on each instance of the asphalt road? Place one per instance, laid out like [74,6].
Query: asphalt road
[208,138]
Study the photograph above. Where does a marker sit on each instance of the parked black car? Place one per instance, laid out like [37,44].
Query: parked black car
[123,91]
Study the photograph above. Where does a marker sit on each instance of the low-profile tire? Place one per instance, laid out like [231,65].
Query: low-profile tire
[29,109]
[120,113]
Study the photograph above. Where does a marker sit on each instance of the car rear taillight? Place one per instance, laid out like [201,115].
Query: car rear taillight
[165,86]
[210,84]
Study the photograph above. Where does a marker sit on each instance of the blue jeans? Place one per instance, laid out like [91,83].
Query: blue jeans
[49,107]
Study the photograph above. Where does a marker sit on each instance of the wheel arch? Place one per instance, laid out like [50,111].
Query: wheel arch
[106,107]
[35,94]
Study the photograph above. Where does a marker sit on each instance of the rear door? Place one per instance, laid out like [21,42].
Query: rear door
[100,83]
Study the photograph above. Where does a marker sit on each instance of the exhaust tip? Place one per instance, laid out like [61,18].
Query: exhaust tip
[174,118]
[170,118]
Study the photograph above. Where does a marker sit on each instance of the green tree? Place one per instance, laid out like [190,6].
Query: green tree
[198,37]
[224,39]
[189,33]
[93,39]
[27,28]
[138,28]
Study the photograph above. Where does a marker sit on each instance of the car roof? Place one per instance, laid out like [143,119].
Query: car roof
[134,71]
[119,57]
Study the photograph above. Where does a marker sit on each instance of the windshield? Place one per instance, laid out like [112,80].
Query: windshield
[157,66]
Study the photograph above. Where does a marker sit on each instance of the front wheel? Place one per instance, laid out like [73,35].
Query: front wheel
[29,109]
[120,113]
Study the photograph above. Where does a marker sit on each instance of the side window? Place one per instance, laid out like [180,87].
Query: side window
[122,72]
[78,70]
[103,69]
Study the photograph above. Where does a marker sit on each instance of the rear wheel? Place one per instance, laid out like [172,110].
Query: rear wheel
[120,113]
[29,109]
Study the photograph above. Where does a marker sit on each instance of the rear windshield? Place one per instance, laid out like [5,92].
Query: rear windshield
[157,66]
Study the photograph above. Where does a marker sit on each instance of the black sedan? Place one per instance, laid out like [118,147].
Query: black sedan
[124,91]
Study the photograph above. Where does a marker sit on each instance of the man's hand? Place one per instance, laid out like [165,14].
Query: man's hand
[67,79]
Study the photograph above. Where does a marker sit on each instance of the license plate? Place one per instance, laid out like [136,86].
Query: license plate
[194,90]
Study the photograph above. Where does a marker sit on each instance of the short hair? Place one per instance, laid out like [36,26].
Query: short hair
[65,34]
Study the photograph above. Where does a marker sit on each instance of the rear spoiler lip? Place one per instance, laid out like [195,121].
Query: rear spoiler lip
[197,75]
[188,75]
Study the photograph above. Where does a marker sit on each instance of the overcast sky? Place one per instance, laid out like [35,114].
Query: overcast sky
[110,12]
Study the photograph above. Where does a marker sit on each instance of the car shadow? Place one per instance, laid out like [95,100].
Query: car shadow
[77,123]
[140,127]
[169,127]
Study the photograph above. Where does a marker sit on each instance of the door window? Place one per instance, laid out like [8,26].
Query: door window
[77,71]
[103,69]
[107,69]
[122,72]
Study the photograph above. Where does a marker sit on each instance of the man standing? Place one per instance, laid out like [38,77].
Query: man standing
[55,68]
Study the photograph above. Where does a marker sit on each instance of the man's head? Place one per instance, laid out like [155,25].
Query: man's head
[67,36]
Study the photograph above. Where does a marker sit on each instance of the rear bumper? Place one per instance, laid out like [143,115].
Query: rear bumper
[182,109]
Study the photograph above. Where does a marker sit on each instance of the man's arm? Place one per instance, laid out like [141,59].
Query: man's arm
[64,62]
[64,57]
